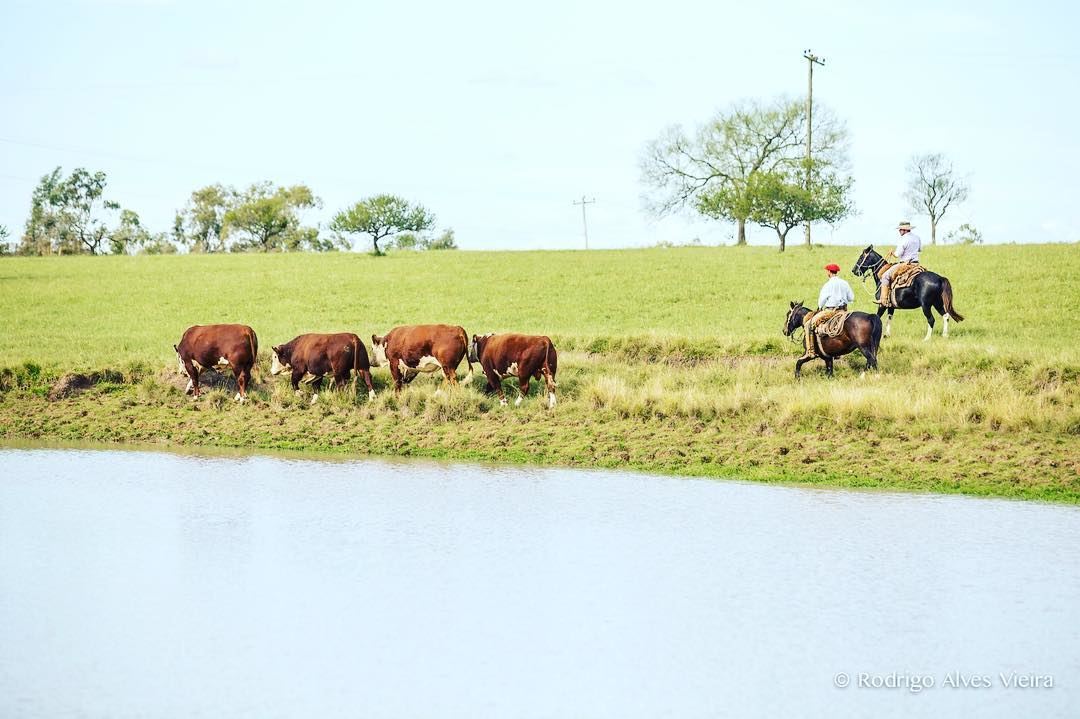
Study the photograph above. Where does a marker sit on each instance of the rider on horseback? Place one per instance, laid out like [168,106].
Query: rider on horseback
[834,297]
[907,251]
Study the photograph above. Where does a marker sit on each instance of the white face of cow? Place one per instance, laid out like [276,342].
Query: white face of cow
[378,353]
[276,365]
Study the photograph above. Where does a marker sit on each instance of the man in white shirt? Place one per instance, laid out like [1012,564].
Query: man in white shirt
[907,250]
[834,297]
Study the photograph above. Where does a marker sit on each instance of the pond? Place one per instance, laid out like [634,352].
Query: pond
[137,583]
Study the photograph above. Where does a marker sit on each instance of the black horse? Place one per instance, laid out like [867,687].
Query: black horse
[929,290]
[862,331]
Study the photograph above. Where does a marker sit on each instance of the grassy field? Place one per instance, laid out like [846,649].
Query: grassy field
[670,360]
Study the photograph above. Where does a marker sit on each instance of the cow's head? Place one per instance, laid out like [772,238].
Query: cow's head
[281,359]
[477,346]
[378,351]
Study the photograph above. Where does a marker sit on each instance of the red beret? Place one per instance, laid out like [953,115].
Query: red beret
[833,267]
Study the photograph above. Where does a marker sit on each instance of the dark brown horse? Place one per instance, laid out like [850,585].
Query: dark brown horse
[862,331]
[929,290]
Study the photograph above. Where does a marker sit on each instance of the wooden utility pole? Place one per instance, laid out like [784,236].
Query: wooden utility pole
[584,224]
[813,59]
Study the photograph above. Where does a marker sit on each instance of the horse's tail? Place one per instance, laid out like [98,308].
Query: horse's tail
[875,333]
[946,299]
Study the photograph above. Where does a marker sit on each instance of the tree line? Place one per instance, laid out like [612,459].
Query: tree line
[72,215]
[748,164]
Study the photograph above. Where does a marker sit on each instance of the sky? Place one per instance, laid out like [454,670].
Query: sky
[497,116]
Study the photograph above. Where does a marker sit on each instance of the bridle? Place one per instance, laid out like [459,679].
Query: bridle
[787,323]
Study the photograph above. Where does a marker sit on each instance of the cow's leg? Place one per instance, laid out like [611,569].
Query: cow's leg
[549,381]
[242,378]
[523,389]
[316,385]
[395,373]
[295,378]
[494,383]
[451,374]
[366,374]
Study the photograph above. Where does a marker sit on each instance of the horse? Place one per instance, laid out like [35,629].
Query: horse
[862,331]
[928,290]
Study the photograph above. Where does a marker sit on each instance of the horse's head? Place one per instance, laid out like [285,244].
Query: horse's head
[868,260]
[794,317]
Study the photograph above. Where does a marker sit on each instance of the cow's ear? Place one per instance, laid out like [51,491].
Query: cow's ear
[793,304]
[176,349]
[374,339]
[275,349]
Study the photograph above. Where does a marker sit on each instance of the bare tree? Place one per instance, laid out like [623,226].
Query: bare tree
[933,187]
[709,171]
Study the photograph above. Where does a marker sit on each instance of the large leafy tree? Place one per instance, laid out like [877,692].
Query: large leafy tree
[710,171]
[379,217]
[933,186]
[67,214]
[782,200]
[129,235]
[266,218]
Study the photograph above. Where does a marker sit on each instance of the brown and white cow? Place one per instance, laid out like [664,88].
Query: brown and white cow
[309,357]
[216,347]
[412,349]
[512,355]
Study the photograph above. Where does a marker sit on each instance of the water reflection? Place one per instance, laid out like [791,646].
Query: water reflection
[140,583]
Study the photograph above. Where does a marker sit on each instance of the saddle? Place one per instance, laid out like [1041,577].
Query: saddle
[833,325]
[903,277]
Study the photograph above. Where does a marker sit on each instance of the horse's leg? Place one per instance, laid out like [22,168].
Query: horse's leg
[929,321]
[940,307]
[828,367]
[799,363]
[888,322]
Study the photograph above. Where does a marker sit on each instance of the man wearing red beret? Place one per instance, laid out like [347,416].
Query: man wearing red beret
[834,297]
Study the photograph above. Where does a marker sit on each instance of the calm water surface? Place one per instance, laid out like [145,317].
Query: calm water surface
[138,584]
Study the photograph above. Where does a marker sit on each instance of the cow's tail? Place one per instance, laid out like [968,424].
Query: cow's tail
[549,368]
[359,351]
[946,299]
[465,339]
[253,342]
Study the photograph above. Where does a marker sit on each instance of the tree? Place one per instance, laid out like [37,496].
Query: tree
[265,218]
[710,171]
[782,200]
[933,186]
[65,214]
[381,216]
[129,234]
[5,249]
[445,241]
[965,234]
[199,224]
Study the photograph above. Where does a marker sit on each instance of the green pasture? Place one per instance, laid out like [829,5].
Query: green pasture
[85,312]
[670,360]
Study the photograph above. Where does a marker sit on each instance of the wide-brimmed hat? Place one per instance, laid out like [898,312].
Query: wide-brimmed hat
[904,225]
[833,267]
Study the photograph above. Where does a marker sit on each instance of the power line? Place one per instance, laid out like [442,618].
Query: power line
[584,224]
[813,60]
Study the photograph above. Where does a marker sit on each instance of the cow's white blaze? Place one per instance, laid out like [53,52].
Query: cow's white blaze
[276,366]
[378,355]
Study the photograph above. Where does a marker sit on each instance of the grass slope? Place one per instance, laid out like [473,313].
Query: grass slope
[670,360]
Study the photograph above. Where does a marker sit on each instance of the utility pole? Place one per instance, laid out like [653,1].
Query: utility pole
[813,59]
[585,224]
